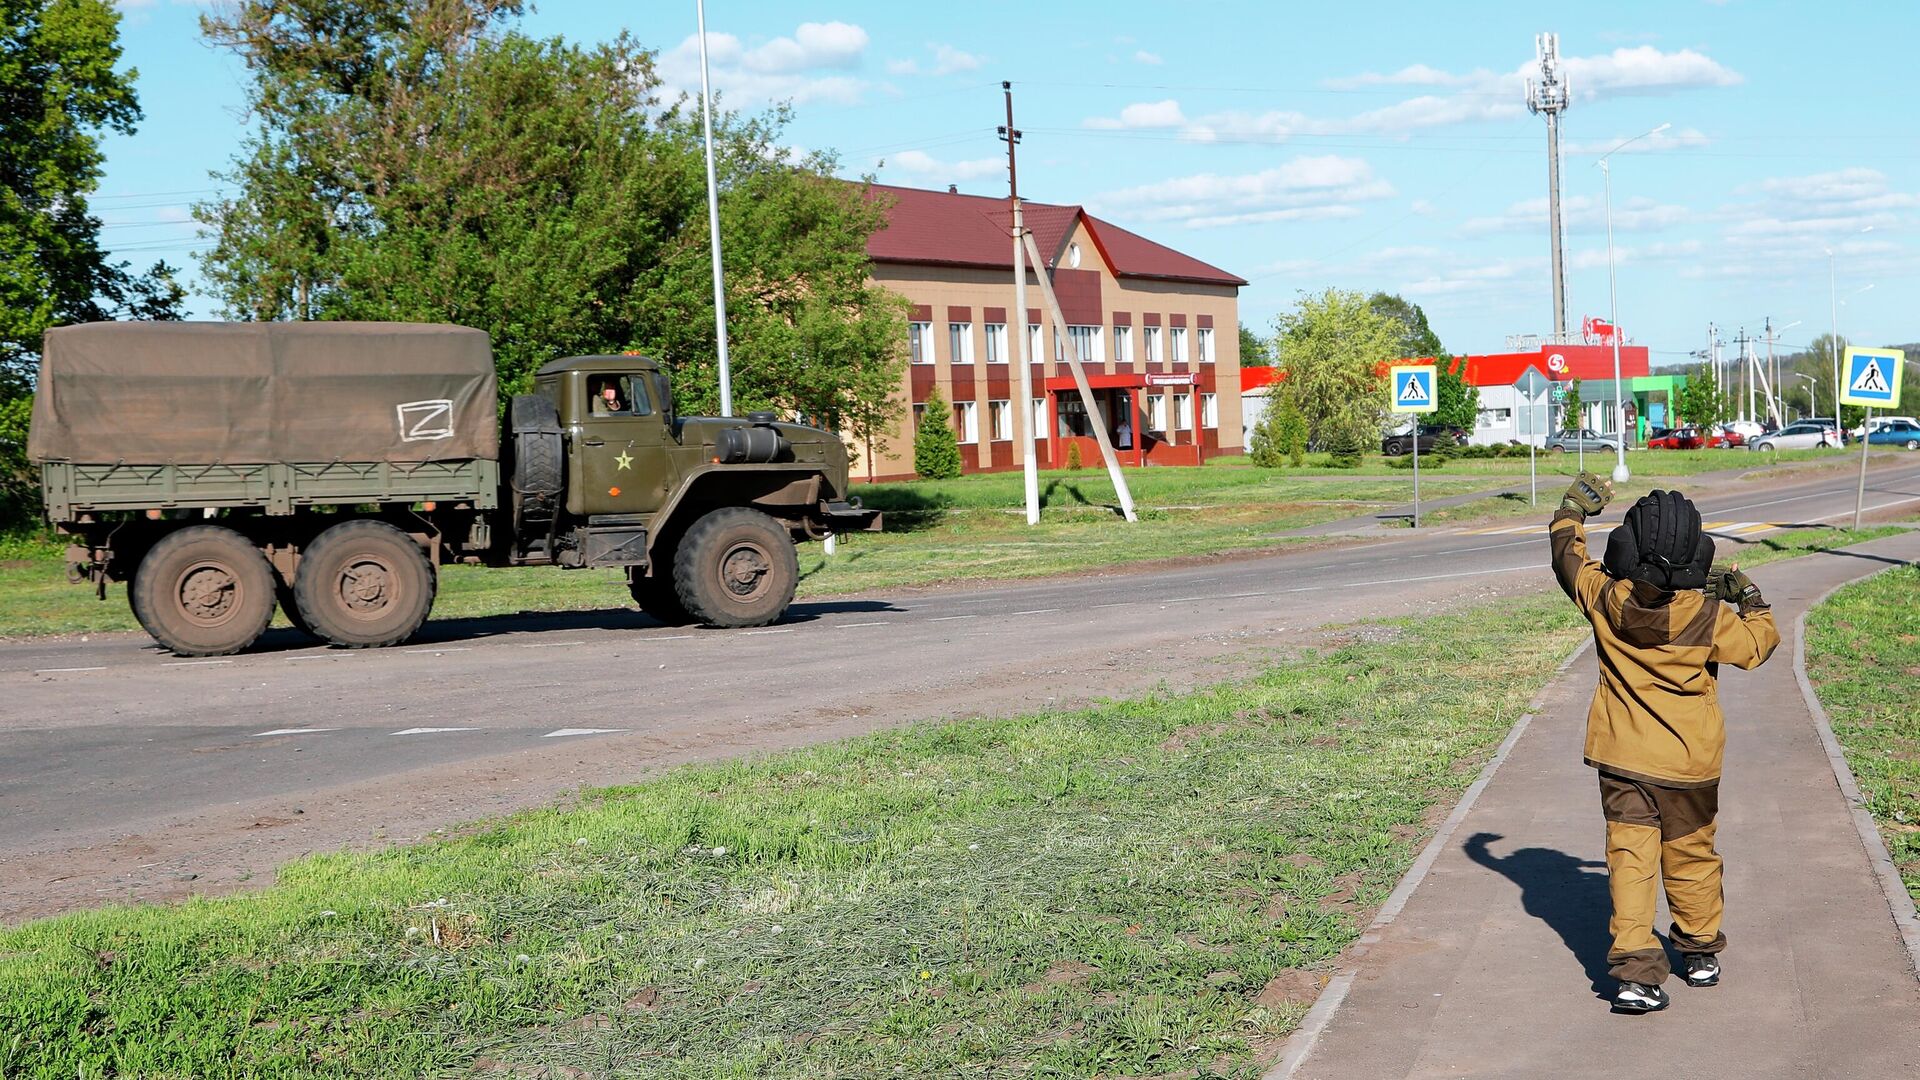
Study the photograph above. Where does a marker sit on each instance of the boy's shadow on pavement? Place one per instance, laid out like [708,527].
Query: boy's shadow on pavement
[1562,892]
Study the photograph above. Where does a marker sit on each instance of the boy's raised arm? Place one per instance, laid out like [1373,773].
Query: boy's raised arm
[1582,578]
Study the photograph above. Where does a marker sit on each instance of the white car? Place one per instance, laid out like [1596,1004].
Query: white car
[1748,429]
[1800,436]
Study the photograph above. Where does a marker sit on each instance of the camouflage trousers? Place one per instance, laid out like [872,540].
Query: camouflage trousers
[1660,836]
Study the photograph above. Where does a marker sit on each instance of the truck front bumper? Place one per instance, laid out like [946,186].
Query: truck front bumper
[848,516]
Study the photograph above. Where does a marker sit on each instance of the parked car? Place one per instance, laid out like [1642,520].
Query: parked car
[1900,431]
[1680,438]
[1585,439]
[1877,422]
[1432,437]
[1827,422]
[1799,436]
[1746,429]
[1726,435]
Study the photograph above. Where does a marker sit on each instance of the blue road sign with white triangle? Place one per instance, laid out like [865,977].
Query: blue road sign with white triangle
[1872,377]
[1412,388]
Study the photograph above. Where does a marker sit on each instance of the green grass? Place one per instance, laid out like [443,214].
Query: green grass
[1064,894]
[1863,654]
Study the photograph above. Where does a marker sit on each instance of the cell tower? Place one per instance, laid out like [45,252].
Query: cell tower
[1549,95]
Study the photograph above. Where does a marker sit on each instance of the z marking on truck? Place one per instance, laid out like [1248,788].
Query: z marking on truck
[425,421]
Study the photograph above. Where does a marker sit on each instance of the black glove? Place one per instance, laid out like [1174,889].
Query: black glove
[1731,584]
[1588,494]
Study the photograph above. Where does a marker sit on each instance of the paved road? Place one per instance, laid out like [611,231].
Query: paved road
[1496,966]
[126,773]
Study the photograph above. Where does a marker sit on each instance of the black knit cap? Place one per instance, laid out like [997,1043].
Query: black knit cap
[1661,542]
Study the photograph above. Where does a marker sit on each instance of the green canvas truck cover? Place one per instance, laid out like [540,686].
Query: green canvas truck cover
[164,393]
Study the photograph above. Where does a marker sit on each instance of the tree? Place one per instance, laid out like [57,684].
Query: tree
[1699,401]
[1456,401]
[1255,351]
[59,94]
[936,449]
[1334,347]
[1571,408]
[419,162]
[1292,431]
[1414,337]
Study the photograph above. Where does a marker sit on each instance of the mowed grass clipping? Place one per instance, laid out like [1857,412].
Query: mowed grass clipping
[1138,888]
[1863,655]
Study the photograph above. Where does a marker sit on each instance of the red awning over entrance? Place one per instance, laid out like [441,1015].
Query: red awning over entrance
[1124,381]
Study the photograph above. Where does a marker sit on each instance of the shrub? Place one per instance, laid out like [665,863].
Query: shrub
[1074,463]
[936,449]
[1348,446]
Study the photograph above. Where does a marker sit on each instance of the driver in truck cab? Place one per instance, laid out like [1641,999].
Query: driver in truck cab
[605,394]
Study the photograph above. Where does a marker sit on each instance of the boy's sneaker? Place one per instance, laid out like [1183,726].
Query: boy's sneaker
[1703,969]
[1633,997]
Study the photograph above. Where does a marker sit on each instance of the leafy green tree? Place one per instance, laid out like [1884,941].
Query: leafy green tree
[1335,347]
[1414,338]
[1699,401]
[1264,446]
[936,449]
[1255,351]
[60,93]
[1456,401]
[1292,431]
[1571,408]
[424,162]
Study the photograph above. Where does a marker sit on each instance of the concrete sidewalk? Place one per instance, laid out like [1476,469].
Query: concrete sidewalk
[1495,966]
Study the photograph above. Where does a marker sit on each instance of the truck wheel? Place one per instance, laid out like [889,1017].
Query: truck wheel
[290,607]
[204,591]
[364,585]
[736,567]
[657,597]
[539,459]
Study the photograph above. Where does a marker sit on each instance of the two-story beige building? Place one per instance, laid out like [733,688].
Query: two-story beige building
[1157,330]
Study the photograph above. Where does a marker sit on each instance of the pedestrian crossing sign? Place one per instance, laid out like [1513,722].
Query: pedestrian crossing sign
[1872,377]
[1412,388]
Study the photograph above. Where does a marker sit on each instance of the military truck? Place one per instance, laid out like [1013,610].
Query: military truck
[330,469]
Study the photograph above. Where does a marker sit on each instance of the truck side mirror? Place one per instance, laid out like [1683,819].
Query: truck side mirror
[663,390]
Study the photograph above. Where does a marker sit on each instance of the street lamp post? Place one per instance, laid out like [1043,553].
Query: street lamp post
[1620,472]
[1813,393]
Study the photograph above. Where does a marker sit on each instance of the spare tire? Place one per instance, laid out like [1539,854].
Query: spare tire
[539,455]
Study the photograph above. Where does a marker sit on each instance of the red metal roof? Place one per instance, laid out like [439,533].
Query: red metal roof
[1577,362]
[941,228]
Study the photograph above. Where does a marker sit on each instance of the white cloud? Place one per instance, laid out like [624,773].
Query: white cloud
[800,68]
[1142,56]
[1581,213]
[948,60]
[1141,115]
[924,166]
[1793,220]
[1643,70]
[1684,139]
[1412,75]
[1306,188]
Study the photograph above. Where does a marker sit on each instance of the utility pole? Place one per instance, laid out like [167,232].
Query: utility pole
[1549,96]
[713,221]
[1022,353]
[1746,375]
[1773,377]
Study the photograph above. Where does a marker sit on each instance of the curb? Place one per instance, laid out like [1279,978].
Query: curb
[1899,902]
[1300,1044]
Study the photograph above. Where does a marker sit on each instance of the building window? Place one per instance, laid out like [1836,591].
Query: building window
[1000,419]
[1177,343]
[1156,412]
[1183,412]
[960,342]
[966,421]
[1123,344]
[920,342]
[919,415]
[1086,342]
[1209,408]
[996,343]
[1203,337]
[1151,334]
[1038,429]
[1492,418]
[1035,354]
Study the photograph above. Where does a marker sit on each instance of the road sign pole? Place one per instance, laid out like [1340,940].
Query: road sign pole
[1416,474]
[1533,476]
[1866,443]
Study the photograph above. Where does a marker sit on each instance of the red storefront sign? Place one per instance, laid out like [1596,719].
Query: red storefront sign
[1170,380]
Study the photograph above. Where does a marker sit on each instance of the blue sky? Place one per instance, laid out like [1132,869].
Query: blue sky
[1368,146]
